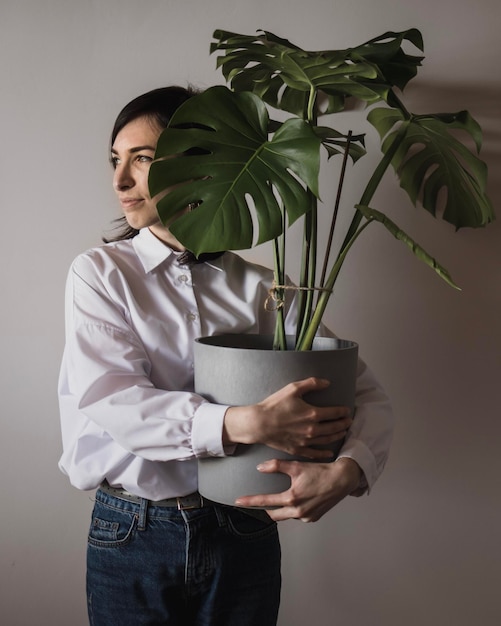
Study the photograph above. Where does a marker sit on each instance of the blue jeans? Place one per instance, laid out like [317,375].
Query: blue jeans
[150,565]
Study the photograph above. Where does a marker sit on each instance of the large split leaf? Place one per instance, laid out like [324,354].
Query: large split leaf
[232,168]
[284,75]
[430,158]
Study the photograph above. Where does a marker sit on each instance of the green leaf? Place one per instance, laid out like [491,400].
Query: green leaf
[283,74]
[384,120]
[335,143]
[398,233]
[216,151]
[430,158]
[385,51]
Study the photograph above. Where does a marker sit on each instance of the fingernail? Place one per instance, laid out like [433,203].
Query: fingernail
[238,502]
[260,467]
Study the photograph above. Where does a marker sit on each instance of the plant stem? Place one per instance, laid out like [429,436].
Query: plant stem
[394,102]
[279,341]
[307,294]
[303,274]
[309,335]
[310,114]
[309,257]
[373,183]
[353,233]
[336,209]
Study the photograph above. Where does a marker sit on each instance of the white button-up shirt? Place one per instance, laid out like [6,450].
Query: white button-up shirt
[128,410]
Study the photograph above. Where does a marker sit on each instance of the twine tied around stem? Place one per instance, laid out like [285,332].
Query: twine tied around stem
[279,301]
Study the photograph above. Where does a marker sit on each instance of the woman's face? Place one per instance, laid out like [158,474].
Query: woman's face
[131,156]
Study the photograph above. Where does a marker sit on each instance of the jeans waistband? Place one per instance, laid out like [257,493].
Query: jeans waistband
[182,503]
[192,501]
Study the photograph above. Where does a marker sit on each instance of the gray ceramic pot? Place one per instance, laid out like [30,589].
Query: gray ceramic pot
[244,369]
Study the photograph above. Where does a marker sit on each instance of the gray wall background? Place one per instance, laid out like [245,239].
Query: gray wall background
[424,548]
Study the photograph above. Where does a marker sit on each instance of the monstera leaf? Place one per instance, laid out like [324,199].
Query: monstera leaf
[234,170]
[250,177]
[284,75]
[430,158]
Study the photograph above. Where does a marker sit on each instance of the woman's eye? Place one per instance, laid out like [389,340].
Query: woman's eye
[114,162]
[142,158]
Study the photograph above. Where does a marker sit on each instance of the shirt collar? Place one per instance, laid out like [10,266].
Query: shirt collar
[152,252]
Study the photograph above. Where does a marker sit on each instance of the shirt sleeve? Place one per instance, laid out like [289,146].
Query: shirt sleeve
[369,439]
[107,375]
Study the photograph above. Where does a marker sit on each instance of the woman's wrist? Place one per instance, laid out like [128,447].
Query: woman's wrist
[351,471]
[238,425]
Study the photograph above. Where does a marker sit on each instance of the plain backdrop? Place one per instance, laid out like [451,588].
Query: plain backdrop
[424,548]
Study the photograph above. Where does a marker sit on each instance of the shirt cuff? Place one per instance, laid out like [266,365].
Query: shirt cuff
[360,453]
[207,430]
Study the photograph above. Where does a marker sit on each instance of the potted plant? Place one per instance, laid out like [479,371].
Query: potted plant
[252,176]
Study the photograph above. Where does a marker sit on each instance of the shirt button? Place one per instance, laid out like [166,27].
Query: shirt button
[183,278]
[192,317]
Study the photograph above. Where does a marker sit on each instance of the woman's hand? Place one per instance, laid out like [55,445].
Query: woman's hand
[286,422]
[315,488]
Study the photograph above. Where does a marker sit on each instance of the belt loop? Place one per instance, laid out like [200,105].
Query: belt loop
[221,516]
[143,514]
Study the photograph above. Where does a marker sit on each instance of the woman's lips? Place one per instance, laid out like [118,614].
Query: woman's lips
[128,203]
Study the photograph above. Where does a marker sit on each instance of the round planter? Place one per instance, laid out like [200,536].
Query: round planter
[244,369]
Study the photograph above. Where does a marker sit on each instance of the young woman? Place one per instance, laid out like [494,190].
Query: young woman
[133,427]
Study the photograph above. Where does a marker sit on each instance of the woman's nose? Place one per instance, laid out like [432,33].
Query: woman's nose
[122,178]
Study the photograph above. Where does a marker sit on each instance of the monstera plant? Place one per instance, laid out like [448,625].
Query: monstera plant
[251,175]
